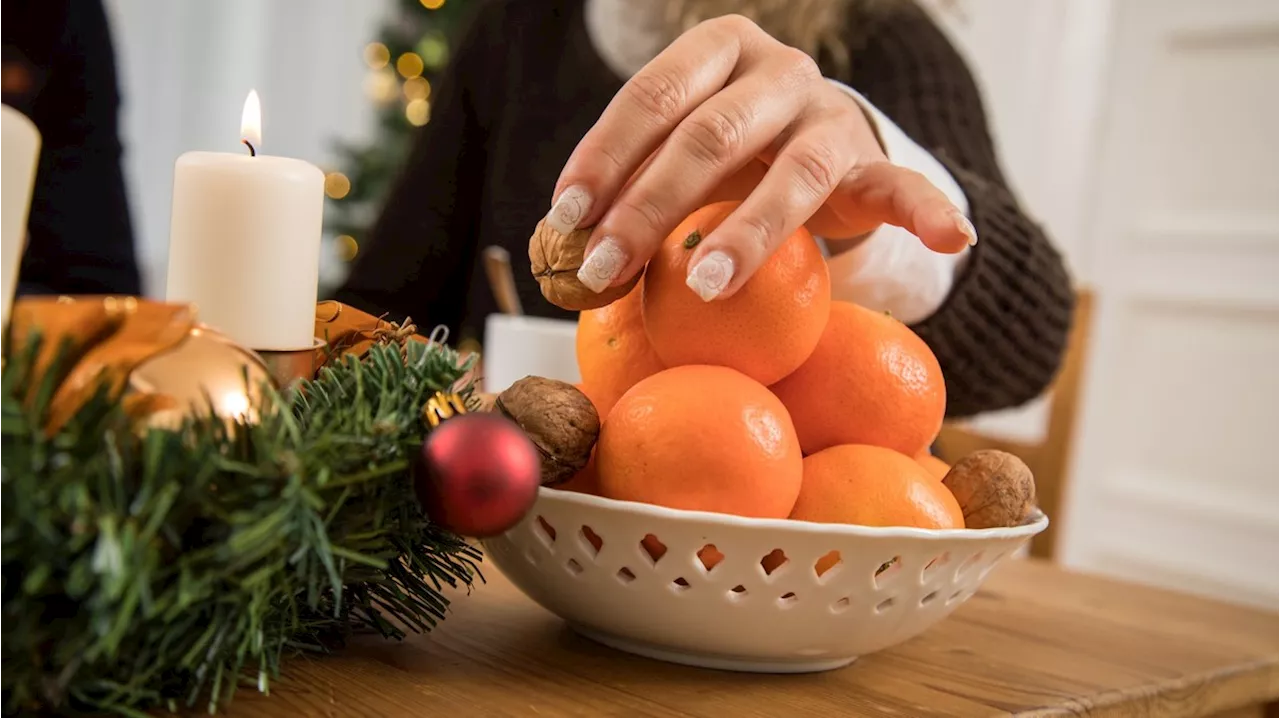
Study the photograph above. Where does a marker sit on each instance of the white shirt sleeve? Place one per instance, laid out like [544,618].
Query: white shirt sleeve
[892,270]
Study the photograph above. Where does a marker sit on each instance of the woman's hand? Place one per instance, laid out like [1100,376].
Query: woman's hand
[723,98]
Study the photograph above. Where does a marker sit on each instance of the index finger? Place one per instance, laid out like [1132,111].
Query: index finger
[639,118]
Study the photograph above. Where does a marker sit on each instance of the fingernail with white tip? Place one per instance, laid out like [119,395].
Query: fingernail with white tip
[570,209]
[965,227]
[602,265]
[710,276]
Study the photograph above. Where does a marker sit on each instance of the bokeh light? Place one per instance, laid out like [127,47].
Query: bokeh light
[336,185]
[409,65]
[381,86]
[347,247]
[376,55]
[432,4]
[417,88]
[418,112]
[434,50]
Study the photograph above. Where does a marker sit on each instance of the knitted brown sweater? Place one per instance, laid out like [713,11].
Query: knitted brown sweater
[526,84]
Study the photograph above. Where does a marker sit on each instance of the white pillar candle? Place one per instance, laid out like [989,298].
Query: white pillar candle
[244,242]
[19,154]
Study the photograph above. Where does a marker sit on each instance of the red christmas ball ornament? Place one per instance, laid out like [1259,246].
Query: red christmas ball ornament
[481,475]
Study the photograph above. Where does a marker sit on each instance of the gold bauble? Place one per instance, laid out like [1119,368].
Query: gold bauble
[206,371]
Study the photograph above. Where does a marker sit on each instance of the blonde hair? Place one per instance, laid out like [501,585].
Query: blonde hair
[814,26]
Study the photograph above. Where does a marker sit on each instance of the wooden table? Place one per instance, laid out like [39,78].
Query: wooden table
[1035,641]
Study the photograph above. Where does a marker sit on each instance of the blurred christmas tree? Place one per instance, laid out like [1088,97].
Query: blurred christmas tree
[404,63]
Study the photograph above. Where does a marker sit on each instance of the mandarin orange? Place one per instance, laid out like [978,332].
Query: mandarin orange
[776,558]
[701,438]
[709,555]
[873,486]
[613,351]
[585,481]
[934,465]
[871,380]
[765,330]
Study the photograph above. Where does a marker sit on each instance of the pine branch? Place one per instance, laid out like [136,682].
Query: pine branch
[165,567]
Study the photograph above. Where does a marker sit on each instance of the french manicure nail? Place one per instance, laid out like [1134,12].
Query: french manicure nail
[966,227]
[711,275]
[602,265]
[571,208]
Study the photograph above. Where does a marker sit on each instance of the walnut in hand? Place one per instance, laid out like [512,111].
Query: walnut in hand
[555,259]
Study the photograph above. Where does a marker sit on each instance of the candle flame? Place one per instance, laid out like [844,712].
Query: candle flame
[251,120]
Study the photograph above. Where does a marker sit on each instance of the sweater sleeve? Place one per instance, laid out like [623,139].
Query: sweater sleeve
[417,259]
[1001,332]
[80,233]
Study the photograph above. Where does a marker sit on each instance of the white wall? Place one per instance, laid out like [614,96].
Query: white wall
[187,65]
[1142,133]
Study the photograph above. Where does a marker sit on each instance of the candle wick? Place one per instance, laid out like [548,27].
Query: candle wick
[252,152]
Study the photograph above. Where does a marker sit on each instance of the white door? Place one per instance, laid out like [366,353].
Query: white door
[1175,479]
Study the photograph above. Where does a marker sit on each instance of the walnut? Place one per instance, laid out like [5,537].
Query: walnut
[559,419]
[993,488]
[555,259]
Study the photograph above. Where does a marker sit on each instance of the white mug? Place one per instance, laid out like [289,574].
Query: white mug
[520,346]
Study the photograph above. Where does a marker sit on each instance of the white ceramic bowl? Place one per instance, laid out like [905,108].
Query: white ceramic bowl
[735,616]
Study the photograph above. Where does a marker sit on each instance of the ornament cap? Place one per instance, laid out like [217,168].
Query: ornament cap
[442,406]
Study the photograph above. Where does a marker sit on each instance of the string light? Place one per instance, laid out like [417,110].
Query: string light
[432,4]
[381,86]
[409,65]
[376,55]
[435,51]
[417,112]
[348,247]
[417,88]
[336,185]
